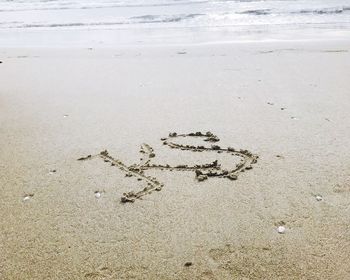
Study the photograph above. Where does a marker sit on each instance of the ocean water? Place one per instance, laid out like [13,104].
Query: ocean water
[169,21]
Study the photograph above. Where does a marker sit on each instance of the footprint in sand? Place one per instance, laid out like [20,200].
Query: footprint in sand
[342,188]
[241,261]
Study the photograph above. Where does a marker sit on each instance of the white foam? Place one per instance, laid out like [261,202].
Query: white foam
[171,20]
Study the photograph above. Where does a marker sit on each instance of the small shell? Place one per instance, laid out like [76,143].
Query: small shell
[319,197]
[27,197]
[281,229]
[97,194]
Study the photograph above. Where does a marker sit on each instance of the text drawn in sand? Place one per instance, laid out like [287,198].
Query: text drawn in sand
[202,171]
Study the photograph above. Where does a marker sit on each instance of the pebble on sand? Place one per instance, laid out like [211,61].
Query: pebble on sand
[281,229]
[201,178]
[188,264]
[319,197]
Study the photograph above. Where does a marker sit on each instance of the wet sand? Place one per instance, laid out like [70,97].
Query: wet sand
[63,218]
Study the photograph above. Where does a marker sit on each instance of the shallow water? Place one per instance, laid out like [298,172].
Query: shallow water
[176,21]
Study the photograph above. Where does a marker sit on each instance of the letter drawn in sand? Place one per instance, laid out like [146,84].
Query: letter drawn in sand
[202,172]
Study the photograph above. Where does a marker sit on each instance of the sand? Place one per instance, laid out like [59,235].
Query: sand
[286,218]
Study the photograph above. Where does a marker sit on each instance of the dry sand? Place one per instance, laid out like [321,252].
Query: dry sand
[286,102]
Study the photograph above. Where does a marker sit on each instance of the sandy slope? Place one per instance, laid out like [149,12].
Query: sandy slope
[59,105]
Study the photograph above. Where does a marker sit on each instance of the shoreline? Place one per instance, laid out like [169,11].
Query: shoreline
[180,36]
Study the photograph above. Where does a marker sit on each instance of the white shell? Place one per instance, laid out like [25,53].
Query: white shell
[281,229]
[97,194]
[26,198]
[319,198]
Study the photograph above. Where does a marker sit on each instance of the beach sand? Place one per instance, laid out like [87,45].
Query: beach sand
[287,102]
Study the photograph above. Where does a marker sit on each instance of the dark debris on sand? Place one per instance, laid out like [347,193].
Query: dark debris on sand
[85,158]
